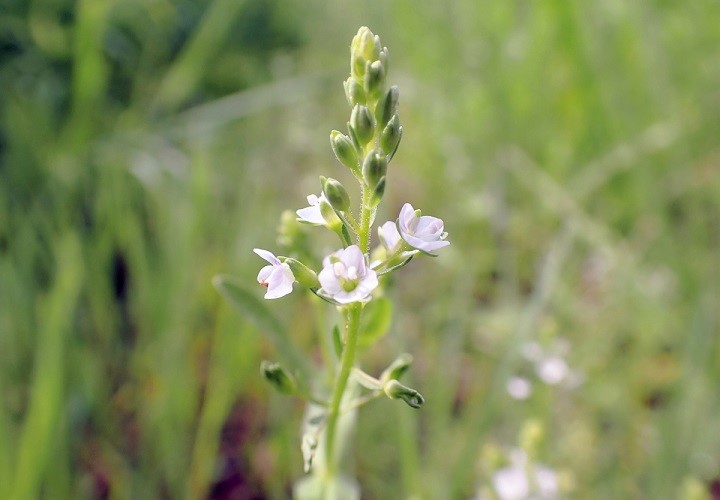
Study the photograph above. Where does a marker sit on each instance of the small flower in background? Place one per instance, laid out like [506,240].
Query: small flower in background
[519,388]
[277,277]
[312,214]
[550,365]
[422,232]
[523,479]
[346,277]
[390,237]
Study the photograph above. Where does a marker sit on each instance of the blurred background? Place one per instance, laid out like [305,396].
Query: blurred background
[571,148]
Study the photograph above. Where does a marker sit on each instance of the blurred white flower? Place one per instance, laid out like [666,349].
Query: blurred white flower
[424,233]
[550,364]
[519,388]
[312,214]
[277,277]
[552,370]
[346,277]
[524,480]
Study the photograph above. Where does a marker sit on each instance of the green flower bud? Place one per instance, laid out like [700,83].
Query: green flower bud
[278,377]
[397,368]
[378,193]
[331,218]
[344,150]
[387,106]
[390,136]
[362,123]
[374,168]
[354,92]
[365,44]
[384,56]
[303,274]
[374,78]
[336,194]
[395,390]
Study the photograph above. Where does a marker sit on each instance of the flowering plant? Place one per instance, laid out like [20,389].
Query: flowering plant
[348,278]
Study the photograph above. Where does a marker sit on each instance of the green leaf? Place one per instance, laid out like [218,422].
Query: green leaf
[376,321]
[254,310]
[337,341]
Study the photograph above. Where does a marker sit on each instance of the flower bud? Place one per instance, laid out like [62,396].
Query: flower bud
[374,78]
[344,149]
[395,390]
[391,135]
[336,194]
[303,274]
[378,193]
[387,106]
[362,123]
[331,218]
[397,368]
[354,92]
[374,168]
[278,377]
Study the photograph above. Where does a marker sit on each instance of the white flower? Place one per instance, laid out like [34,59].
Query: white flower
[277,277]
[519,388]
[346,277]
[552,370]
[424,233]
[312,214]
[524,480]
[390,237]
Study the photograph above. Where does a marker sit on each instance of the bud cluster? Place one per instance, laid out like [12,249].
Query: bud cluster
[374,130]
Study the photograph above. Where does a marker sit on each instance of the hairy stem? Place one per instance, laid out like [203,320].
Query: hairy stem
[346,363]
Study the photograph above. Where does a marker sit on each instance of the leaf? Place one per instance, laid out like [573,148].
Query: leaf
[375,321]
[253,309]
[337,341]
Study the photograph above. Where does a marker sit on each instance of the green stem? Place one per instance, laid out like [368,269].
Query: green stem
[365,216]
[346,363]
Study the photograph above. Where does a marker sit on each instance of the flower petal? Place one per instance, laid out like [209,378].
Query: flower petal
[280,282]
[390,237]
[268,256]
[311,215]
[264,274]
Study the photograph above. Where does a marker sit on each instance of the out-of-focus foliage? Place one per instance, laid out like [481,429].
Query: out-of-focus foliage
[571,150]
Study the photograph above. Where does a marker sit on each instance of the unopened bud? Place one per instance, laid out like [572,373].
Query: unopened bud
[387,106]
[344,149]
[378,193]
[354,91]
[397,368]
[374,168]
[395,390]
[391,135]
[331,218]
[278,377]
[374,78]
[362,123]
[336,194]
[303,274]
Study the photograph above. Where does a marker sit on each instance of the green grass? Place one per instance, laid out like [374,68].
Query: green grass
[146,147]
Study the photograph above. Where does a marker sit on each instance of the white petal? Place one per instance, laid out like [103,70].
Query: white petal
[546,480]
[425,246]
[353,257]
[390,237]
[431,226]
[311,215]
[264,274]
[268,256]
[328,281]
[280,282]
[407,214]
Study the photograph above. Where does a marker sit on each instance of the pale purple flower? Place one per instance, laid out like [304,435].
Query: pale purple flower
[519,388]
[312,214]
[390,237]
[277,277]
[424,233]
[346,277]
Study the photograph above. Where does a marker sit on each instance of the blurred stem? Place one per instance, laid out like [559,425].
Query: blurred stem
[346,363]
